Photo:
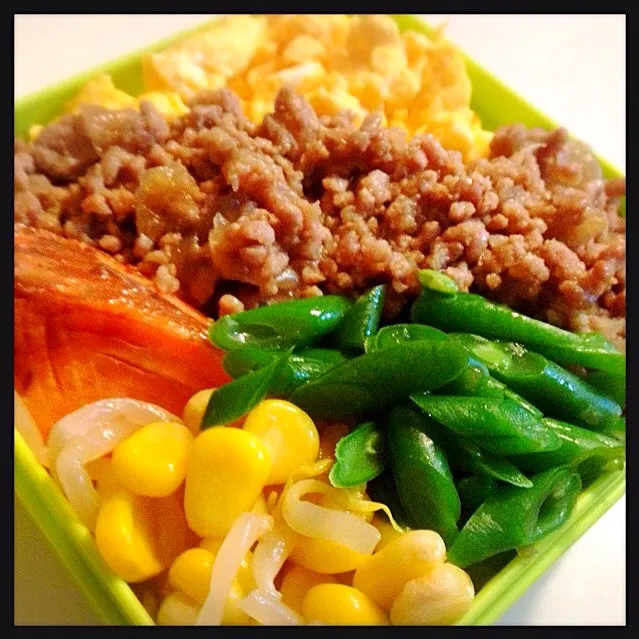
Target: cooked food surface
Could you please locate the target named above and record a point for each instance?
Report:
(88, 328)
(362, 63)
(357, 428)
(229, 214)
(272, 501)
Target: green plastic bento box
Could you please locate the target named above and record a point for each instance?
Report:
(110, 596)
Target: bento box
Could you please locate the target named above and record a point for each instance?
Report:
(111, 597)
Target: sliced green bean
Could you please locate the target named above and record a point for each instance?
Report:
(515, 517)
(422, 475)
(499, 426)
(475, 381)
(361, 320)
(464, 455)
(369, 383)
(233, 400)
(612, 385)
(577, 446)
(360, 456)
(295, 323)
(616, 428)
(437, 281)
(400, 333)
(474, 491)
(298, 369)
(472, 313)
(554, 390)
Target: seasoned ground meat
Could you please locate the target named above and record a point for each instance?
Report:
(230, 214)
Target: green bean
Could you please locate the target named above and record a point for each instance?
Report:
(612, 385)
(437, 281)
(299, 367)
(464, 455)
(499, 426)
(422, 475)
(475, 381)
(361, 320)
(233, 400)
(466, 383)
(494, 388)
(616, 428)
(369, 383)
(360, 456)
(474, 491)
(400, 333)
(515, 517)
(294, 323)
(577, 446)
(472, 313)
(554, 390)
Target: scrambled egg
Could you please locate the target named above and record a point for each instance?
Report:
(362, 63)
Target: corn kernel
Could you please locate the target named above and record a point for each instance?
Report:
(386, 529)
(152, 461)
(190, 573)
(227, 470)
(245, 576)
(212, 544)
(297, 582)
(338, 605)
(440, 597)
(325, 556)
(194, 409)
(234, 616)
(383, 575)
(124, 534)
(177, 609)
(288, 433)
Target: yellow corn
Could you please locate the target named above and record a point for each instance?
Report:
(383, 575)
(177, 609)
(338, 605)
(190, 573)
(297, 582)
(152, 461)
(440, 597)
(124, 534)
(234, 616)
(212, 544)
(289, 434)
(226, 473)
(194, 409)
(245, 573)
(386, 529)
(325, 556)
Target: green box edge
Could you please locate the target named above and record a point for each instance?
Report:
(112, 599)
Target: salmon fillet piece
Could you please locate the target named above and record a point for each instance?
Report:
(87, 328)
